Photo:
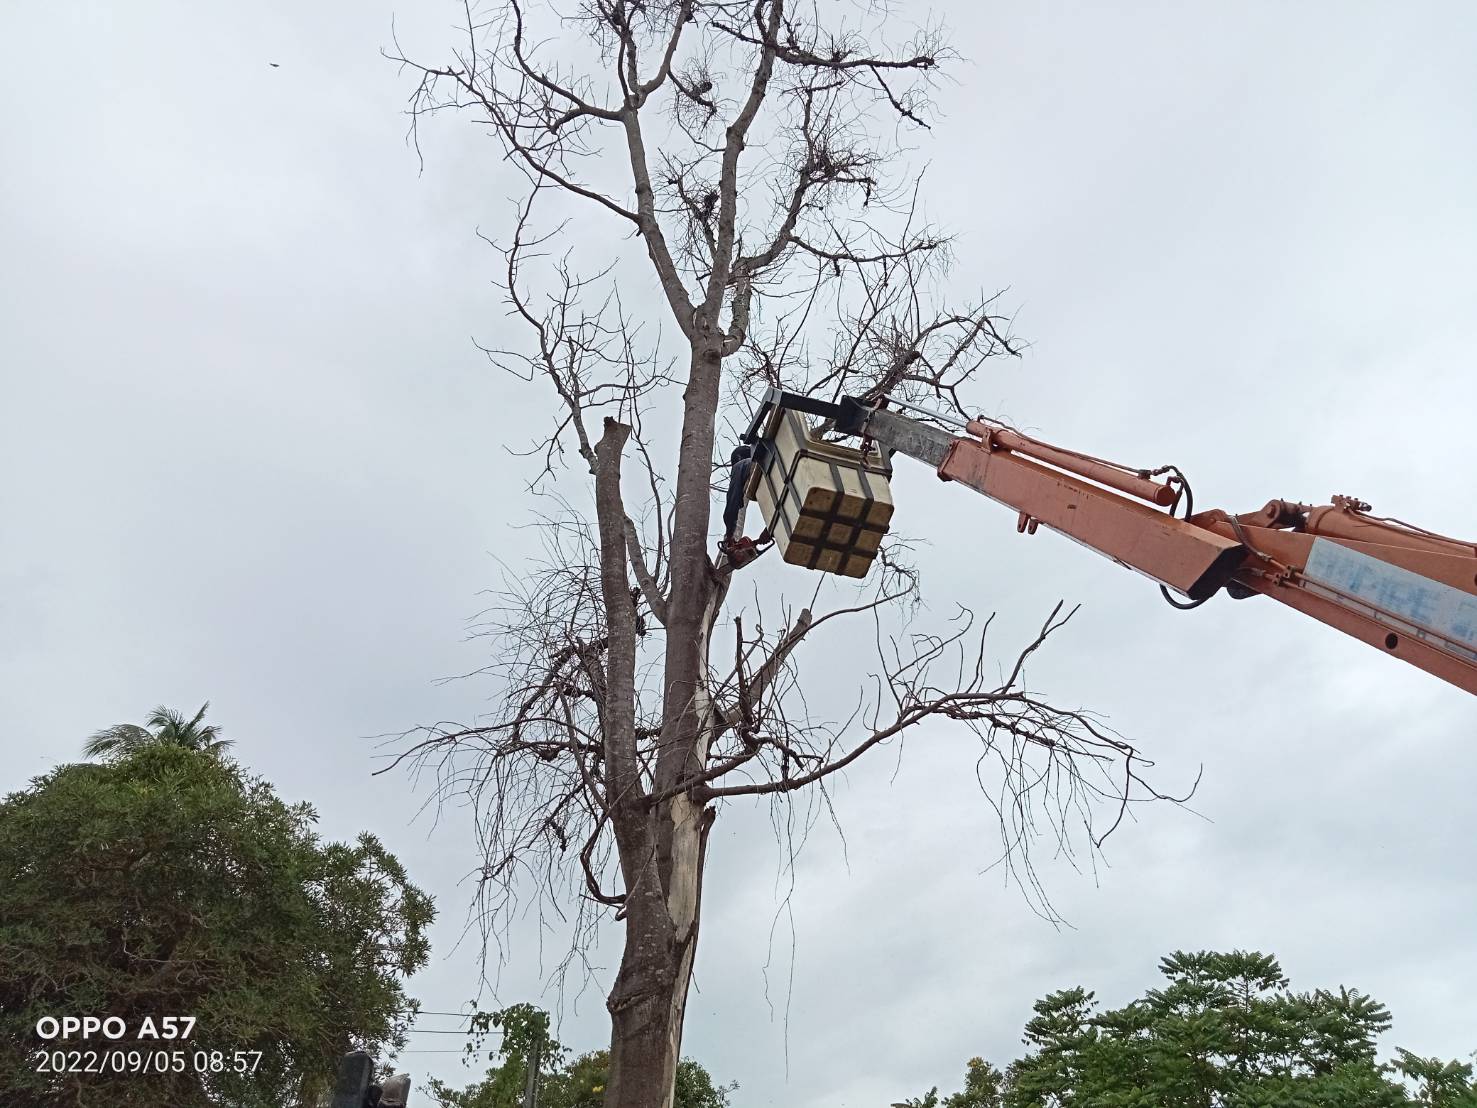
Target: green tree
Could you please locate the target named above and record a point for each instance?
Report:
(579, 1083)
(166, 727)
(523, 1030)
(983, 1087)
(1438, 1084)
(1224, 1030)
(169, 882)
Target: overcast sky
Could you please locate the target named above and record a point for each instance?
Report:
(250, 455)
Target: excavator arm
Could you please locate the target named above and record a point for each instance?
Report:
(1403, 590)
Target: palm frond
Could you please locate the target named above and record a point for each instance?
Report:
(194, 724)
(120, 740)
(169, 727)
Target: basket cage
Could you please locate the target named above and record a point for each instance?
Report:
(825, 504)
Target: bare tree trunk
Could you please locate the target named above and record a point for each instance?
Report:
(645, 1009)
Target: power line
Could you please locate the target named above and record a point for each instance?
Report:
(436, 1031)
(460, 1030)
(491, 1030)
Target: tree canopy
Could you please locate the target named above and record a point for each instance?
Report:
(169, 882)
(1224, 1031)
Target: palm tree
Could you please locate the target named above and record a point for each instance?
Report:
(169, 728)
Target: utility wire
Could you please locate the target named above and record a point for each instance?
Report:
(427, 1012)
(436, 1031)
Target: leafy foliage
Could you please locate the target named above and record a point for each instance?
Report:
(577, 1083)
(1223, 1031)
(1438, 1084)
(169, 882)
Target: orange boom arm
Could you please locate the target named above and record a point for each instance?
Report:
(1409, 592)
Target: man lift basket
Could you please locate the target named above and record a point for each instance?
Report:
(826, 506)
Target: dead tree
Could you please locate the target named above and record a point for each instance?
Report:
(750, 151)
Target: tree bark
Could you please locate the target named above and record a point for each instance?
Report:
(649, 1001)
